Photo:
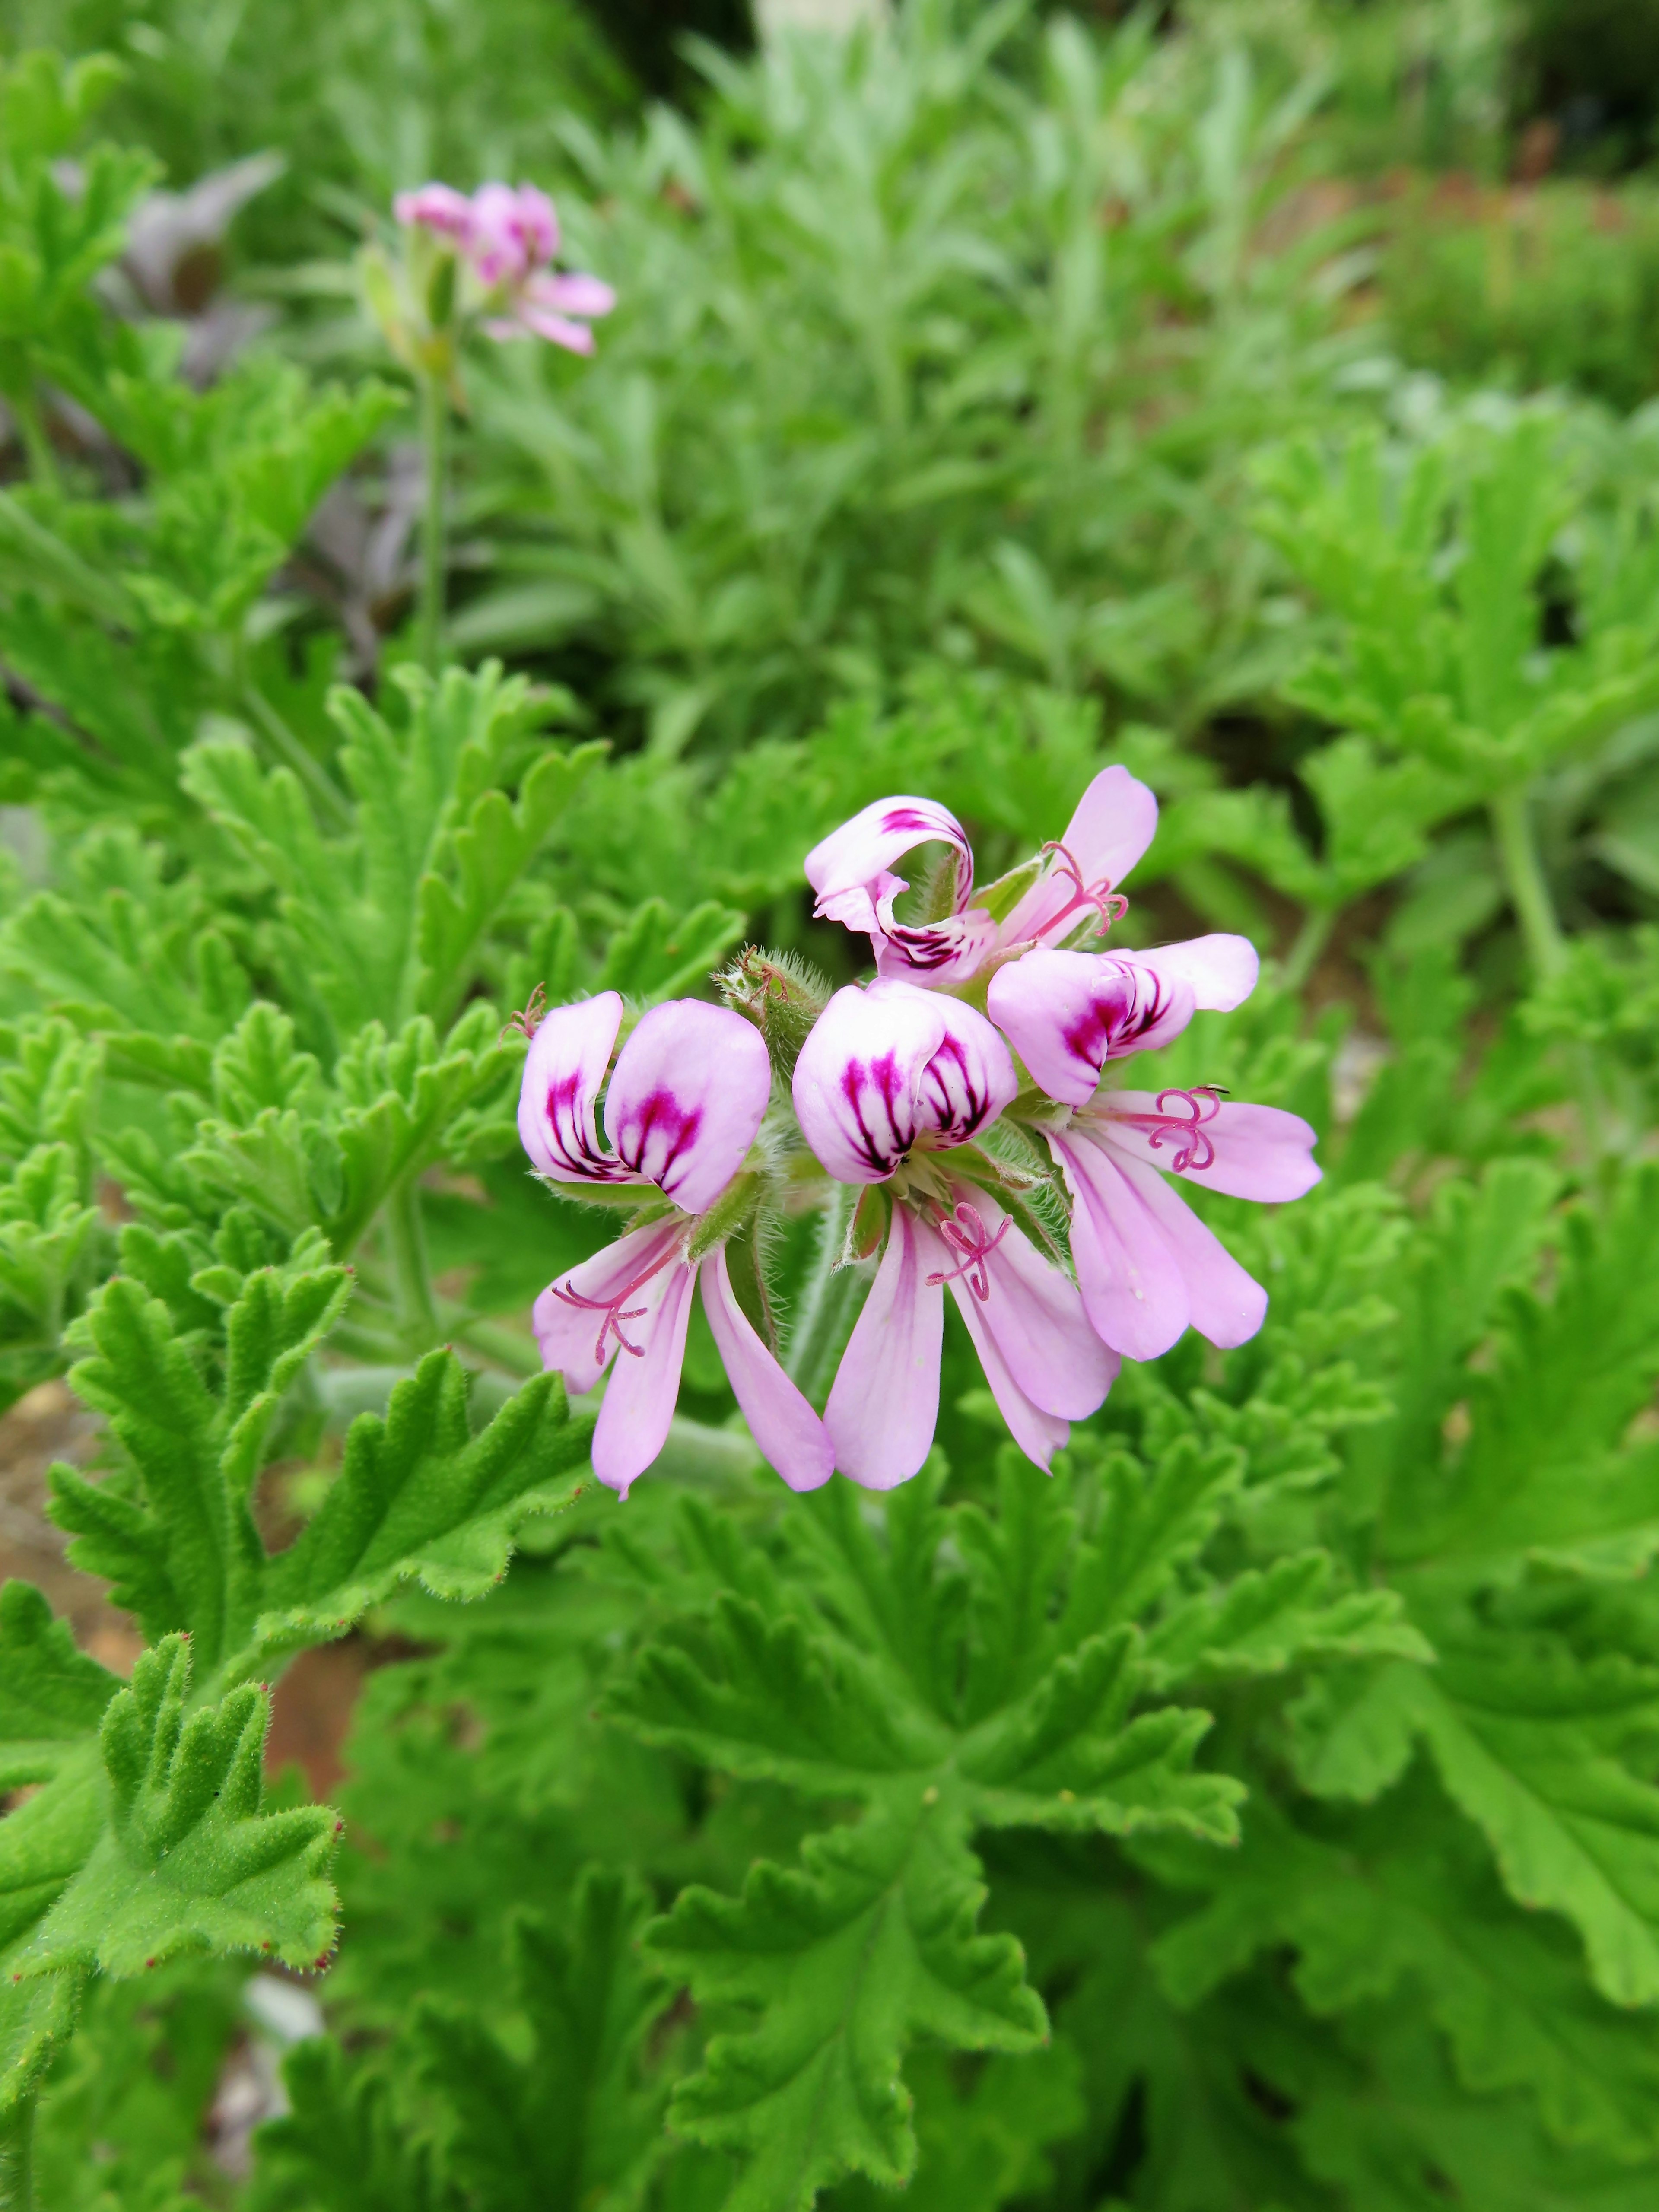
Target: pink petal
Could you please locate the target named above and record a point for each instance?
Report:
(506, 331)
(1134, 1288)
(1039, 1435)
(1032, 1314)
(1225, 1304)
(1065, 1013)
(436, 207)
(888, 1062)
(557, 329)
(563, 1073)
(570, 293)
(1113, 826)
(580, 1320)
(538, 223)
(640, 1396)
(883, 1404)
(860, 854)
(688, 1093)
(1249, 1151)
(787, 1433)
(496, 244)
(1219, 970)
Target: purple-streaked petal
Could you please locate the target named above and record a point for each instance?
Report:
(1134, 1290)
(1066, 1013)
(860, 856)
(563, 1071)
(1113, 826)
(969, 1079)
(435, 207)
(1219, 970)
(858, 1079)
(933, 953)
(688, 1093)
(640, 1396)
(787, 1433)
(582, 1320)
(883, 1404)
(1225, 1303)
(1249, 1151)
(570, 292)
(886, 1063)
(1030, 1311)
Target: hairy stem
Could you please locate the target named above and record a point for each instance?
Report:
(417, 1309)
(434, 445)
(829, 1304)
(1528, 889)
(17, 2159)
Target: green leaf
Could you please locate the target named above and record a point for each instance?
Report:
(939, 1715)
(187, 1555)
(1264, 1622)
(1401, 1899)
(420, 1499)
(51, 1695)
(184, 1861)
(37, 2020)
(652, 957)
(871, 1944)
(571, 2123)
(343, 2146)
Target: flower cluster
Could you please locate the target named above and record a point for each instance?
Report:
(999, 1013)
(480, 261)
(509, 237)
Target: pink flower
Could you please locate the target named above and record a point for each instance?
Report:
(509, 237)
(890, 1078)
(685, 1102)
(1072, 884)
(1147, 1265)
(437, 208)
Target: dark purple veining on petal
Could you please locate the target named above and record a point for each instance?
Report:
(906, 818)
(569, 1137)
(1128, 1003)
(873, 1091)
(655, 1133)
(955, 1091)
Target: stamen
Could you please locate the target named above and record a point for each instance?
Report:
(1109, 906)
(528, 1022)
(614, 1311)
(968, 1235)
(1203, 1103)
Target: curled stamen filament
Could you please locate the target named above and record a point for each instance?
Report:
(528, 1022)
(1203, 1103)
(1109, 906)
(968, 1235)
(614, 1311)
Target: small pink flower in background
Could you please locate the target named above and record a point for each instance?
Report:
(509, 237)
(889, 1082)
(851, 870)
(686, 1098)
(1147, 1265)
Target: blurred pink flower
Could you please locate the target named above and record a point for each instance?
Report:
(509, 235)
(890, 1078)
(685, 1100)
